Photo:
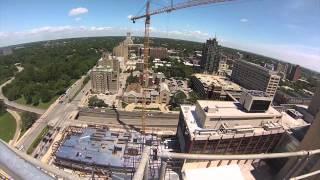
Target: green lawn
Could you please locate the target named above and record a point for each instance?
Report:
(150, 109)
(8, 126)
(36, 142)
(40, 105)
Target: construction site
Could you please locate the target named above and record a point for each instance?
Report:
(102, 152)
(208, 139)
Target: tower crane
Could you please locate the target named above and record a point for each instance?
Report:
(147, 16)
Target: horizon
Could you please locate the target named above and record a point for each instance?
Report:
(281, 60)
(287, 32)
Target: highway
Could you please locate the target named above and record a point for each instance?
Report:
(156, 120)
(14, 105)
(57, 114)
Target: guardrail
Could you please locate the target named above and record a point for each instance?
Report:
(303, 158)
(18, 165)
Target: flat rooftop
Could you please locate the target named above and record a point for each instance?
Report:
(101, 147)
(256, 93)
(233, 109)
(233, 114)
(263, 69)
(226, 84)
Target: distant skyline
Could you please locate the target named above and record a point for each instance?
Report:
(288, 30)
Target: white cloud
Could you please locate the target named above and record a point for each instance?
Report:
(48, 29)
(77, 19)
(93, 28)
(244, 20)
(3, 34)
(78, 11)
(130, 16)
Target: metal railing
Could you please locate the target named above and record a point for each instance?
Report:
(19, 165)
(303, 157)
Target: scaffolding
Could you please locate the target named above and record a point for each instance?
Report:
(126, 147)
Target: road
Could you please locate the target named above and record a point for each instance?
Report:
(55, 116)
(17, 117)
(15, 105)
(155, 120)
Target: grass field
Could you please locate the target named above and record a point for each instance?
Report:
(8, 126)
(36, 142)
(41, 105)
(151, 109)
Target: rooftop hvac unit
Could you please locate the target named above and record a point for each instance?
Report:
(272, 126)
(244, 129)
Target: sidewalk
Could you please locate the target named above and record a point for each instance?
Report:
(17, 117)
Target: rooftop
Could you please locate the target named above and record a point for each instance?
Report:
(263, 69)
(226, 85)
(228, 109)
(102, 147)
(257, 93)
(206, 118)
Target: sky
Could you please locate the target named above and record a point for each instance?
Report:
(288, 30)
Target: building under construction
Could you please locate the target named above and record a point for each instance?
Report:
(104, 152)
(223, 127)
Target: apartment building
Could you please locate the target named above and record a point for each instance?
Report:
(254, 77)
(214, 87)
(223, 127)
(295, 73)
(210, 56)
(134, 94)
(155, 52)
(105, 76)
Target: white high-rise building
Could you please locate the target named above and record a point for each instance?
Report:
(105, 76)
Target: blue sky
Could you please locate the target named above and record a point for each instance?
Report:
(284, 29)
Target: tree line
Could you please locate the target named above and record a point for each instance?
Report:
(51, 67)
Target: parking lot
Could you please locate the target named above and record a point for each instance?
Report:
(178, 85)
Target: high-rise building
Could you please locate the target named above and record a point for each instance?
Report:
(122, 49)
(214, 87)
(105, 76)
(295, 73)
(223, 66)
(155, 52)
(210, 56)
(314, 107)
(282, 70)
(221, 127)
(247, 126)
(254, 77)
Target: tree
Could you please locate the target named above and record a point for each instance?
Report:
(177, 99)
(2, 107)
(94, 101)
(27, 120)
(35, 101)
(132, 79)
(193, 97)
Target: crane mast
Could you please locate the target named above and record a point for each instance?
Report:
(145, 65)
(147, 16)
